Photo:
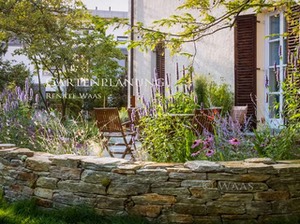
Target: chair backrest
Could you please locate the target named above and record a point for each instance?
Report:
(134, 115)
(238, 113)
(203, 119)
(108, 119)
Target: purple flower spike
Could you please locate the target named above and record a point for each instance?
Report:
(234, 141)
(196, 143)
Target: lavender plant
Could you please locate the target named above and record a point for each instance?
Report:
(23, 124)
(16, 111)
(230, 141)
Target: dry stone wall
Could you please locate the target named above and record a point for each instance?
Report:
(252, 191)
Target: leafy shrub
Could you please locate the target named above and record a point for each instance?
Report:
(167, 138)
(213, 95)
(280, 144)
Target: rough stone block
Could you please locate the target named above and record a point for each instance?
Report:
(27, 178)
(151, 211)
(187, 176)
(43, 193)
(190, 209)
(124, 189)
(205, 184)
(98, 177)
(258, 208)
(62, 198)
(237, 197)
(38, 163)
(43, 202)
(74, 186)
(189, 200)
(180, 218)
(65, 173)
(207, 194)
(47, 182)
(166, 184)
(108, 202)
(154, 199)
(171, 191)
(272, 195)
(102, 164)
(203, 166)
(225, 207)
(207, 220)
(71, 161)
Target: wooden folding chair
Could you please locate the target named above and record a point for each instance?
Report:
(111, 128)
(203, 120)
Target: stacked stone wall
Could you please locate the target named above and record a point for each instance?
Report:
(251, 191)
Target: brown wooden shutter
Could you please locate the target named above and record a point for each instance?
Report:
(160, 65)
(245, 63)
(293, 32)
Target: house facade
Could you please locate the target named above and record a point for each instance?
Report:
(250, 57)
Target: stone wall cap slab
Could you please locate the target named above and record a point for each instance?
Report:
(162, 165)
(105, 163)
(15, 152)
(260, 160)
(203, 166)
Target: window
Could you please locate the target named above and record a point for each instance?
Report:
(276, 63)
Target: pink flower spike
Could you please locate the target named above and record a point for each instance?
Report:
(234, 141)
(196, 143)
(210, 153)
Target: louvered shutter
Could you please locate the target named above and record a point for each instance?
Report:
(293, 32)
(293, 40)
(245, 63)
(160, 66)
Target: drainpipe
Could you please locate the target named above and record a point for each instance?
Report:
(130, 74)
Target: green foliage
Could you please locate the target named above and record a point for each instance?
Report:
(200, 21)
(61, 37)
(213, 95)
(278, 144)
(166, 137)
(27, 212)
(12, 75)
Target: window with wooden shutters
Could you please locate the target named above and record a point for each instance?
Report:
(160, 67)
(245, 63)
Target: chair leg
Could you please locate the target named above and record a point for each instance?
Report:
(106, 146)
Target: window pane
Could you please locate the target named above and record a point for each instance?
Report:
(284, 51)
(274, 53)
(274, 106)
(274, 80)
(274, 27)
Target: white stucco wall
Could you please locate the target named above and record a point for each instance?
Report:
(214, 57)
